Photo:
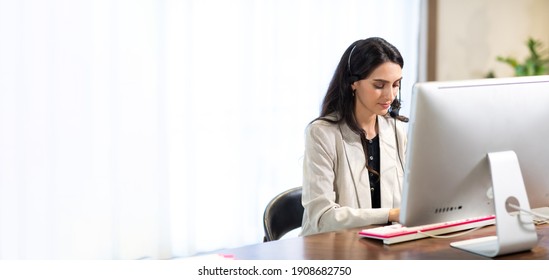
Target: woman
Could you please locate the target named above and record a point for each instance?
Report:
(354, 151)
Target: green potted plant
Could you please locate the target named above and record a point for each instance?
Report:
(535, 64)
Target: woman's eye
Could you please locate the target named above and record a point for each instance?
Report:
(378, 86)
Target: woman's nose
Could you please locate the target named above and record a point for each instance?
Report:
(390, 92)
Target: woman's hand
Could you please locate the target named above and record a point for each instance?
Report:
(394, 215)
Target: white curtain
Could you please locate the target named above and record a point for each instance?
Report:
(159, 129)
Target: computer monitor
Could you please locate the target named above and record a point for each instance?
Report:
(453, 127)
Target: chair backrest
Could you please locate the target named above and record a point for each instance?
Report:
(283, 214)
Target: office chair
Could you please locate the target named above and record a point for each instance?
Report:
(283, 214)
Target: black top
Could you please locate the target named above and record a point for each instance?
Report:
(372, 157)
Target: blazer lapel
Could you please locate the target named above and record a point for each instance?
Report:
(356, 162)
(353, 152)
(388, 160)
(387, 142)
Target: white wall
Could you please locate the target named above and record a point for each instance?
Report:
(472, 33)
(142, 129)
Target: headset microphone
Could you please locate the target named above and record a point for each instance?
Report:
(394, 113)
(395, 108)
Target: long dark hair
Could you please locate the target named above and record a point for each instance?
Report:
(357, 63)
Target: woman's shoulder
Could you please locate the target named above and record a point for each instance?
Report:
(323, 133)
(324, 127)
(324, 123)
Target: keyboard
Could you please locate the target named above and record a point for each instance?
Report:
(397, 233)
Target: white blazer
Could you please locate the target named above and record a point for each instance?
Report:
(336, 187)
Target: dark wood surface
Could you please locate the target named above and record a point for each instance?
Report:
(348, 245)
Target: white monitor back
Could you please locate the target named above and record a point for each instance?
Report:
(453, 125)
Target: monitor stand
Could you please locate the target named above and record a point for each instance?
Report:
(515, 232)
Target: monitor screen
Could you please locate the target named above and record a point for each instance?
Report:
(453, 126)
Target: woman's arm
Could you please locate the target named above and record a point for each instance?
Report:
(323, 188)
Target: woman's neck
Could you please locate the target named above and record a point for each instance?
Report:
(368, 124)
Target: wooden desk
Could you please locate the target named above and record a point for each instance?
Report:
(347, 245)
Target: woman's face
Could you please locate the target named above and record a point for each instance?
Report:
(374, 94)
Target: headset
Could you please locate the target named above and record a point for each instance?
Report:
(353, 78)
